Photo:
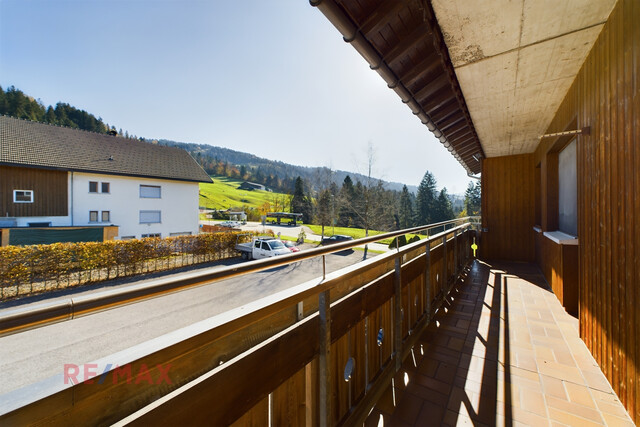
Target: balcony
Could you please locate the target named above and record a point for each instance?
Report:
(422, 334)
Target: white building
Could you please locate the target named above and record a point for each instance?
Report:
(52, 176)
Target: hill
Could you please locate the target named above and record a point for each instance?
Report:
(285, 172)
(223, 194)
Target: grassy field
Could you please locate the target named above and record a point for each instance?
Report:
(223, 193)
(356, 233)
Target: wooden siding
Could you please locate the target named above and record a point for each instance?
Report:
(508, 208)
(559, 264)
(49, 192)
(604, 96)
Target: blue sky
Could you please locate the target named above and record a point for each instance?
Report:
(272, 78)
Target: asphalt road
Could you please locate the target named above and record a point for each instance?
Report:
(35, 355)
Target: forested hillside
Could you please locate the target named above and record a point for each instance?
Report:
(272, 173)
(15, 103)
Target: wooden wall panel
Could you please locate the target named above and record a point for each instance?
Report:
(49, 187)
(605, 97)
(559, 264)
(508, 208)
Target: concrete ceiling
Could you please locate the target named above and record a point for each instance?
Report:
(515, 61)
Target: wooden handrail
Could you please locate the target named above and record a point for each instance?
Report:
(16, 320)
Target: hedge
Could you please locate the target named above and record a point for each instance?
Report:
(38, 268)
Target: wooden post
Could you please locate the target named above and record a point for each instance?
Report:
(324, 360)
(397, 327)
(445, 279)
(455, 255)
(427, 281)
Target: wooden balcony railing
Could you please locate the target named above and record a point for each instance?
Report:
(319, 353)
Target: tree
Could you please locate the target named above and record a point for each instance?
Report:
(346, 201)
(443, 211)
(323, 209)
(425, 199)
(473, 199)
(405, 215)
(300, 202)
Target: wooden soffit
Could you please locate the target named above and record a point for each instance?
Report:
(485, 78)
(402, 41)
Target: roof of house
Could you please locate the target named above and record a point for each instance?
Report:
(32, 144)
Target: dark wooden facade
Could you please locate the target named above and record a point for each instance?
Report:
(49, 187)
(508, 213)
(605, 280)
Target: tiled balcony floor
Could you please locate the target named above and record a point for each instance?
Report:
(501, 351)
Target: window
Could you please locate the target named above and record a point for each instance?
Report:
(149, 217)
(106, 216)
(568, 189)
(93, 216)
(151, 235)
(181, 233)
(149, 191)
(105, 187)
(93, 187)
(22, 196)
(127, 237)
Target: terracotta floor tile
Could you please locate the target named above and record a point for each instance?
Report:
(574, 408)
(579, 394)
(533, 402)
(553, 387)
(430, 415)
(614, 421)
(408, 408)
(501, 353)
(571, 419)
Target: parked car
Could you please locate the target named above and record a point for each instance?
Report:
(229, 224)
(336, 238)
(292, 246)
(262, 247)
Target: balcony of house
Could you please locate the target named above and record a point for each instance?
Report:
(426, 334)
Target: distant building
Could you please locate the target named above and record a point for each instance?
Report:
(53, 176)
(252, 186)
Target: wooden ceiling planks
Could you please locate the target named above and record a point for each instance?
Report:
(409, 44)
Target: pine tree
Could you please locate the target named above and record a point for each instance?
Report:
(300, 202)
(473, 199)
(406, 209)
(425, 199)
(443, 211)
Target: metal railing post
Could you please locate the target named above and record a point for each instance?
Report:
(324, 360)
(397, 327)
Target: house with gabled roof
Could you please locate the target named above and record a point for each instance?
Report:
(52, 176)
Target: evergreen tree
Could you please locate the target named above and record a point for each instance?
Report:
(50, 116)
(405, 217)
(323, 209)
(4, 106)
(473, 199)
(346, 201)
(443, 211)
(300, 202)
(425, 199)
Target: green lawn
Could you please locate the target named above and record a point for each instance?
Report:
(223, 193)
(356, 233)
